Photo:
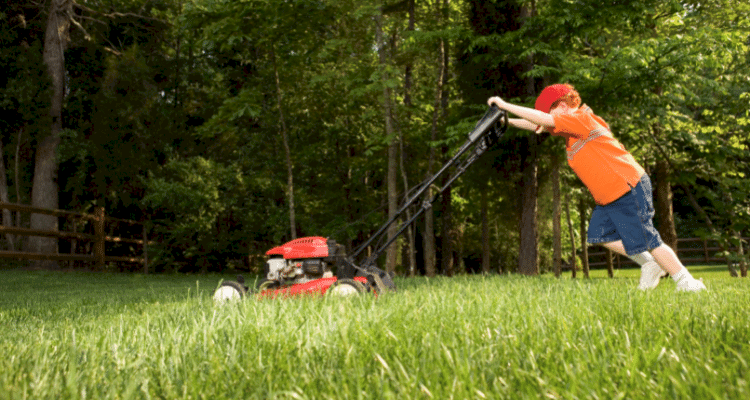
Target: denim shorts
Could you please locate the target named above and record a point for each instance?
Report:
(629, 218)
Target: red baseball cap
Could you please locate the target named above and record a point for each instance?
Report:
(549, 95)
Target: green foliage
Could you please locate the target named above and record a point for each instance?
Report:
(181, 95)
(199, 204)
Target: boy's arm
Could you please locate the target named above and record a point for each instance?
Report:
(535, 117)
(523, 124)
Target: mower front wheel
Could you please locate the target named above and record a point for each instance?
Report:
(229, 291)
(345, 287)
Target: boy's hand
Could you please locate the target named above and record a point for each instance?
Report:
(497, 101)
(540, 120)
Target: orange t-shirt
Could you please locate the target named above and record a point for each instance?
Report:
(599, 160)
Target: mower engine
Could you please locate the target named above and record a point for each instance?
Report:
(302, 260)
(296, 271)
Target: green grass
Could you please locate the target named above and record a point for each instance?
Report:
(102, 336)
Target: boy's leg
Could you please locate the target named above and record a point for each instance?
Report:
(651, 272)
(630, 218)
(617, 247)
(668, 260)
(603, 230)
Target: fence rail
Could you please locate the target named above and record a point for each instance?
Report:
(98, 240)
(707, 249)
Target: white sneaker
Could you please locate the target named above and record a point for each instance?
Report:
(690, 285)
(651, 272)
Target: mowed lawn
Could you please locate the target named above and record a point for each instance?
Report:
(121, 336)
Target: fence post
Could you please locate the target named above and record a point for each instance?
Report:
(73, 243)
(100, 235)
(705, 250)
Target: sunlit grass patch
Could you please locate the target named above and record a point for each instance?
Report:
(132, 336)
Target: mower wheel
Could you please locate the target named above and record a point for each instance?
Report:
(346, 287)
(229, 291)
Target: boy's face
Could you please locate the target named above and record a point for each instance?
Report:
(561, 108)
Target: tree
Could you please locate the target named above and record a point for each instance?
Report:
(392, 183)
(24, 101)
(44, 191)
(287, 151)
(556, 218)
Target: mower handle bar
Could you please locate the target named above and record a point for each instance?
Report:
(483, 136)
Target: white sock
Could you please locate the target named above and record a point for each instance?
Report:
(642, 258)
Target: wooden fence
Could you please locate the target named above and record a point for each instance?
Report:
(689, 250)
(93, 245)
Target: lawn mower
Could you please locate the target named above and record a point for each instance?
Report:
(306, 266)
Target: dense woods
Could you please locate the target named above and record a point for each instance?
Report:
(232, 126)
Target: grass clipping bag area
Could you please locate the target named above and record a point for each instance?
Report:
(106, 336)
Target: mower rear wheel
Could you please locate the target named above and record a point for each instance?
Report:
(346, 287)
(229, 291)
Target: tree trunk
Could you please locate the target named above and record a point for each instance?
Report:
(44, 191)
(7, 216)
(610, 266)
(429, 240)
(528, 257)
(485, 231)
(439, 112)
(556, 223)
(741, 252)
(664, 211)
(528, 260)
(391, 255)
(736, 236)
(458, 254)
(663, 206)
(16, 172)
(392, 251)
(44, 194)
(448, 231)
(409, 66)
(407, 103)
(412, 259)
(571, 230)
(584, 244)
(287, 152)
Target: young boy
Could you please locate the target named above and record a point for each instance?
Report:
(623, 218)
